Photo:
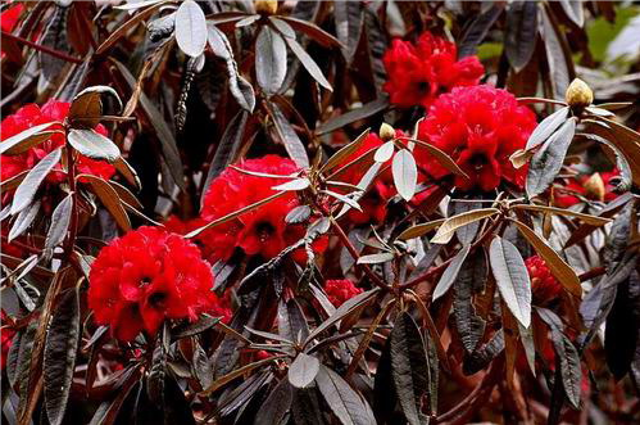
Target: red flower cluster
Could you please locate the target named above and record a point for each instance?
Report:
(418, 73)
(148, 275)
(31, 115)
(479, 127)
(7, 334)
(544, 286)
(262, 231)
(597, 187)
(340, 290)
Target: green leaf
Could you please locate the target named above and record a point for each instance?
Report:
(86, 107)
(63, 336)
(191, 28)
(292, 143)
(275, 407)
(271, 60)
(382, 257)
(291, 321)
(240, 88)
(384, 152)
(25, 140)
(25, 193)
(469, 324)
(521, 32)
(93, 145)
(24, 220)
(349, 17)
(405, 174)
(451, 273)
(303, 370)
(547, 162)
(512, 279)
(309, 64)
(409, 367)
(110, 199)
(59, 223)
(347, 405)
(547, 127)
(227, 148)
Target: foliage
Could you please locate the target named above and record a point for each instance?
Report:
(320, 212)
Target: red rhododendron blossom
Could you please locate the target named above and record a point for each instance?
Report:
(145, 277)
(340, 290)
(544, 286)
(597, 187)
(7, 334)
(263, 230)
(32, 115)
(479, 127)
(418, 73)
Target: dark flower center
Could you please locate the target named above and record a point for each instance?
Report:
(422, 87)
(265, 230)
(157, 299)
(145, 281)
(478, 161)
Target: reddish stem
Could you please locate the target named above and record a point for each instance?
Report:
(44, 49)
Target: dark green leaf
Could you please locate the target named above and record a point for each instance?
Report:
(227, 148)
(59, 223)
(271, 60)
(477, 31)
(365, 111)
(191, 28)
(512, 279)
(343, 401)
(547, 127)
(316, 33)
(93, 145)
(24, 195)
(86, 107)
(204, 323)
(547, 162)
(409, 367)
(63, 336)
(305, 407)
(292, 143)
(303, 370)
(451, 273)
(276, 406)
(405, 174)
(24, 220)
(470, 326)
(349, 18)
(309, 64)
(25, 140)
(521, 33)
(291, 321)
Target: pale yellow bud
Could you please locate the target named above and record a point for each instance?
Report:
(595, 187)
(579, 94)
(266, 7)
(387, 132)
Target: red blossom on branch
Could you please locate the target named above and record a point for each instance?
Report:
(32, 115)
(419, 72)
(340, 290)
(479, 127)
(145, 277)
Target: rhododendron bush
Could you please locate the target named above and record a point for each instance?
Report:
(297, 212)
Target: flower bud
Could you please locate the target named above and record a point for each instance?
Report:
(266, 7)
(595, 187)
(579, 94)
(387, 132)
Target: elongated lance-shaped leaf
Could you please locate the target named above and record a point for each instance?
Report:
(26, 192)
(512, 279)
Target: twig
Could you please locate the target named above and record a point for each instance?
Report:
(44, 49)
